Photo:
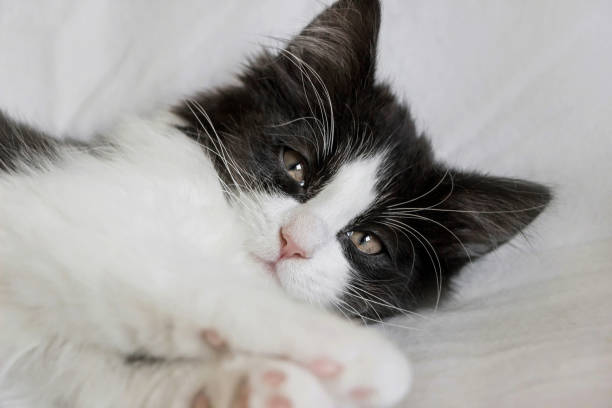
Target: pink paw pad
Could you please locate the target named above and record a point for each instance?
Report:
(278, 401)
(274, 378)
(361, 393)
(200, 401)
(325, 368)
(213, 339)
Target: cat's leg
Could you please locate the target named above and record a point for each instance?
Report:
(352, 362)
(61, 375)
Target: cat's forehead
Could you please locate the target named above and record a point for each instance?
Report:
(350, 192)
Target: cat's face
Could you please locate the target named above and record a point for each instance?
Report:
(345, 203)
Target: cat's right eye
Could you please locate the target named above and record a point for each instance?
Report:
(296, 166)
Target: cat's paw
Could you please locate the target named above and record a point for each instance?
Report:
(279, 384)
(355, 365)
(263, 383)
(360, 369)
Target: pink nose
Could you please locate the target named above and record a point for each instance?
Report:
(289, 248)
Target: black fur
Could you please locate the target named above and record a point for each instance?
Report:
(22, 146)
(449, 218)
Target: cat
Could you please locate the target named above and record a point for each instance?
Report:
(196, 258)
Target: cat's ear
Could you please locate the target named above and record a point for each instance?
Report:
(479, 213)
(339, 45)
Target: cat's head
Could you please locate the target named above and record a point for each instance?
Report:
(345, 202)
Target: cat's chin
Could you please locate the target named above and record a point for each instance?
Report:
(276, 272)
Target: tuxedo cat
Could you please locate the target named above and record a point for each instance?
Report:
(195, 258)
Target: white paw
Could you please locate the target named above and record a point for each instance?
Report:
(263, 383)
(279, 384)
(355, 365)
(362, 369)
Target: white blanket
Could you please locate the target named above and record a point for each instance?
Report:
(519, 88)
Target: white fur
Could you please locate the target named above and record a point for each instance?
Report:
(135, 249)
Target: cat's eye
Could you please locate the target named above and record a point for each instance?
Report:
(296, 166)
(366, 242)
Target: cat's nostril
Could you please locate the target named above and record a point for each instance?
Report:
(289, 248)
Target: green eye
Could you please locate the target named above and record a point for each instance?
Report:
(366, 242)
(295, 165)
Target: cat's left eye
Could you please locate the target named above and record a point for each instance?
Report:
(296, 166)
(366, 242)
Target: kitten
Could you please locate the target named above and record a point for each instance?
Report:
(166, 263)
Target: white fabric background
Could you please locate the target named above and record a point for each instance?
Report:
(518, 88)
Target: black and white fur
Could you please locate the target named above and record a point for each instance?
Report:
(163, 231)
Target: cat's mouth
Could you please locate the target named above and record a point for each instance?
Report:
(269, 266)
(272, 268)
